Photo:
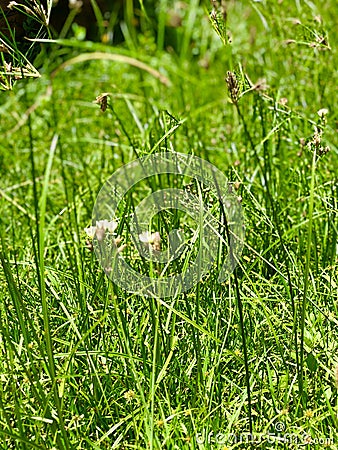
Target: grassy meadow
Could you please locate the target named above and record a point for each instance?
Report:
(248, 363)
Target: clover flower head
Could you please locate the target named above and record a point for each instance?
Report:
(151, 240)
(100, 229)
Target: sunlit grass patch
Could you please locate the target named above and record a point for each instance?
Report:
(86, 364)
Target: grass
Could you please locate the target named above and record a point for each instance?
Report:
(87, 365)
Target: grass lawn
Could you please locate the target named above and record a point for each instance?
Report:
(250, 362)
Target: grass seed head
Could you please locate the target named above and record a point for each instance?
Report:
(233, 86)
(102, 100)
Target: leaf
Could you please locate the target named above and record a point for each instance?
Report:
(311, 362)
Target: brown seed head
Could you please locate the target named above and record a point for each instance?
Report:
(102, 100)
(232, 85)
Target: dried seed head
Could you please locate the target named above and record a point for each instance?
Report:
(323, 150)
(102, 100)
(3, 48)
(232, 85)
(8, 67)
(89, 245)
(213, 15)
(321, 40)
(224, 11)
(221, 7)
(315, 144)
(317, 138)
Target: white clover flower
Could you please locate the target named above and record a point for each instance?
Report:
(90, 231)
(107, 225)
(100, 229)
(152, 240)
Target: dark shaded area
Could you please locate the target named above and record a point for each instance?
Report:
(86, 16)
(16, 25)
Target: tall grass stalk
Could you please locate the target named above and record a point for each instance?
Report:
(306, 275)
